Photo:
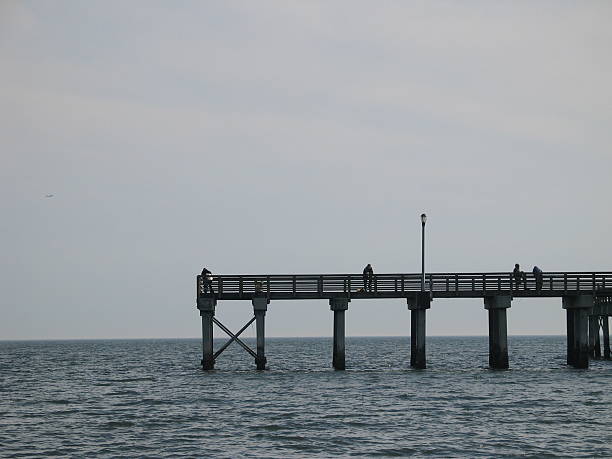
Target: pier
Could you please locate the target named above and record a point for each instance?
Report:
(586, 297)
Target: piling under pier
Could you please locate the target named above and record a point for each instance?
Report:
(260, 306)
(498, 330)
(605, 330)
(207, 312)
(594, 341)
(418, 304)
(339, 306)
(577, 308)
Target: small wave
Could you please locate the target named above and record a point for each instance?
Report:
(64, 412)
(282, 438)
(50, 402)
(143, 402)
(398, 452)
(58, 402)
(356, 423)
(161, 422)
(124, 380)
(118, 424)
(269, 428)
(124, 392)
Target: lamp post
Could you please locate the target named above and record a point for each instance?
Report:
(423, 220)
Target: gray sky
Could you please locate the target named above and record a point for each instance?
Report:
(294, 137)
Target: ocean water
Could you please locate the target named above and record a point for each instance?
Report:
(149, 398)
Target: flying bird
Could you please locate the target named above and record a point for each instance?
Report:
(49, 195)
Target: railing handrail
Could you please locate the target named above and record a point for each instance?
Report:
(466, 274)
(235, 286)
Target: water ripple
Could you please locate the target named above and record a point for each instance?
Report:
(149, 398)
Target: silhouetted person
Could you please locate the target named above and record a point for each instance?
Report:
(368, 274)
(519, 276)
(207, 280)
(539, 278)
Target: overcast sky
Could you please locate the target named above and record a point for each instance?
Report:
(294, 137)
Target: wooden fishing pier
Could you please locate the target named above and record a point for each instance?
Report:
(586, 297)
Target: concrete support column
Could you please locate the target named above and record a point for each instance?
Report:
(207, 311)
(418, 304)
(260, 306)
(605, 330)
(597, 340)
(578, 308)
(339, 306)
(594, 342)
(570, 337)
(498, 330)
(592, 320)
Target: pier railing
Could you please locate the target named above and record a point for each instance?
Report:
(442, 285)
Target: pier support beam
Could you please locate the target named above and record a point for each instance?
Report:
(594, 342)
(339, 306)
(498, 330)
(207, 311)
(578, 308)
(260, 306)
(605, 330)
(418, 304)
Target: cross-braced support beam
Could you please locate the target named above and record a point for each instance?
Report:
(207, 311)
(234, 338)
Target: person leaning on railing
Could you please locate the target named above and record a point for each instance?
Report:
(368, 274)
(207, 280)
(539, 278)
(519, 276)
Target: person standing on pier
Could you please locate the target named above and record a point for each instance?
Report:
(519, 276)
(207, 280)
(368, 274)
(539, 278)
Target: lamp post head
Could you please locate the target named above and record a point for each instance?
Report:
(423, 219)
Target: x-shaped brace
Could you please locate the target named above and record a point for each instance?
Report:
(234, 338)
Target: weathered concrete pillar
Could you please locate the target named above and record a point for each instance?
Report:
(418, 304)
(571, 351)
(207, 311)
(578, 308)
(605, 330)
(339, 306)
(597, 340)
(498, 330)
(594, 342)
(260, 306)
(592, 320)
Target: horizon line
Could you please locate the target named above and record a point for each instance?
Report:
(267, 337)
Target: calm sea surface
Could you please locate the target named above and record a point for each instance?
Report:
(138, 398)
